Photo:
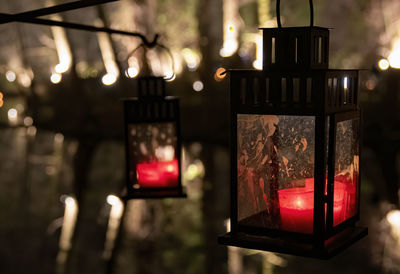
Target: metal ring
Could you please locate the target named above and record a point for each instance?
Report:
(278, 13)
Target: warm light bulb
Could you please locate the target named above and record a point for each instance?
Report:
(393, 217)
(298, 203)
(132, 72)
(229, 48)
(12, 113)
(61, 68)
(198, 86)
(10, 76)
(55, 78)
(383, 64)
(109, 79)
(113, 200)
(169, 76)
(69, 201)
(257, 64)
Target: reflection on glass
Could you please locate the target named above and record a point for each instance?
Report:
(153, 160)
(346, 169)
(275, 156)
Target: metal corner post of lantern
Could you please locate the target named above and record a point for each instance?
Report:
(295, 148)
(153, 143)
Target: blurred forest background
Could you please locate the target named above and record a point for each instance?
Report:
(61, 135)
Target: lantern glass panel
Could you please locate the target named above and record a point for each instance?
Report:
(153, 152)
(346, 171)
(275, 161)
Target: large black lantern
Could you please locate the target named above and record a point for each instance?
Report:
(295, 148)
(153, 145)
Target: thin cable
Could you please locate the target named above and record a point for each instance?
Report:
(68, 25)
(278, 13)
(172, 60)
(55, 9)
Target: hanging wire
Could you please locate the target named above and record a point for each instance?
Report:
(172, 60)
(278, 13)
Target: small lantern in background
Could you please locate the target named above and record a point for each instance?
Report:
(152, 135)
(295, 184)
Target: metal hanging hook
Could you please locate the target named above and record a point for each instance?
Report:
(278, 13)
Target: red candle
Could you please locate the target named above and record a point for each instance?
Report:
(158, 174)
(297, 206)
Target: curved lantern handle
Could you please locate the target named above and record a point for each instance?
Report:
(155, 44)
(278, 13)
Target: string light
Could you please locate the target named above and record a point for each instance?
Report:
(198, 86)
(109, 79)
(12, 116)
(10, 76)
(55, 78)
(132, 72)
(383, 64)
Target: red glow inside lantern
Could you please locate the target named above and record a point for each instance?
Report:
(158, 174)
(297, 206)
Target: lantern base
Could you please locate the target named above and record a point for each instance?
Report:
(331, 247)
(155, 194)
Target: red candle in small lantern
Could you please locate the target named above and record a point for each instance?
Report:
(158, 174)
(297, 206)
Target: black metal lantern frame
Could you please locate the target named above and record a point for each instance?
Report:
(151, 121)
(295, 95)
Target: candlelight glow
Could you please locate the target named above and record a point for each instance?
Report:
(383, 64)
(166, 153)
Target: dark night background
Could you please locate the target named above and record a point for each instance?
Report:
(61, 135)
